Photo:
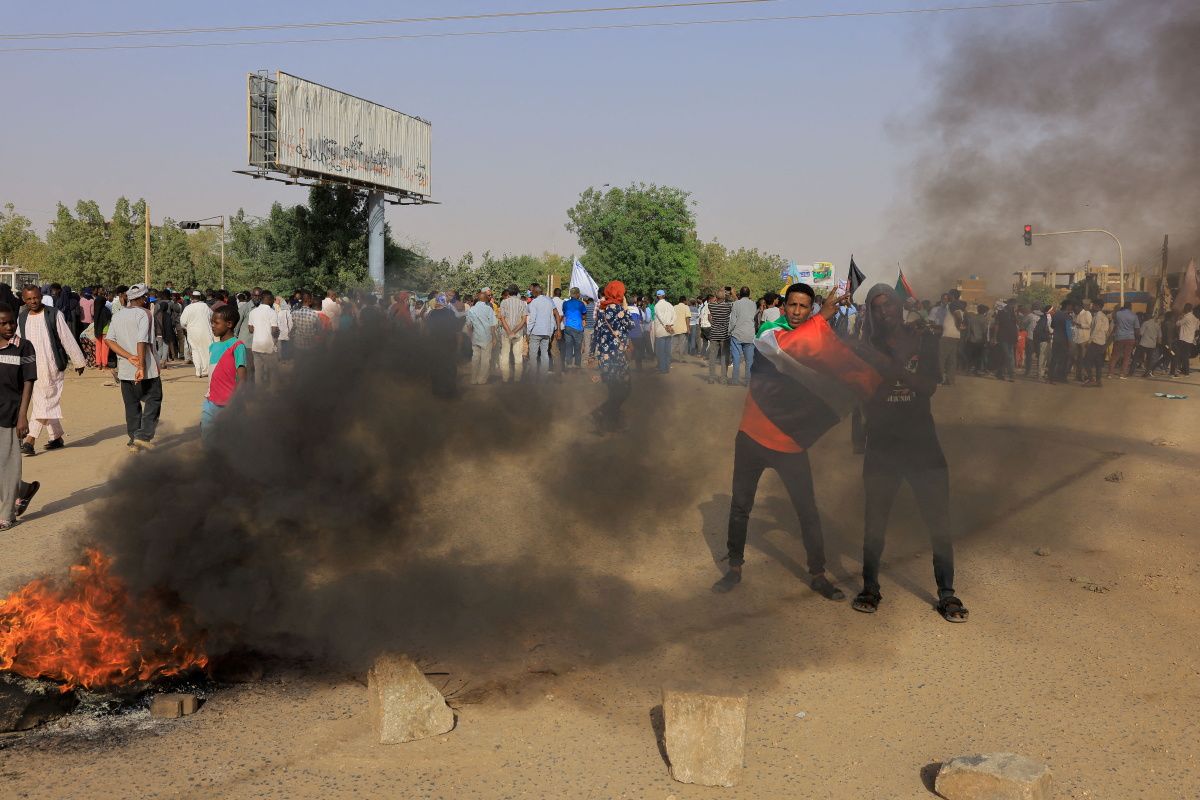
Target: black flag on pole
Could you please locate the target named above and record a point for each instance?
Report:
(855, 278)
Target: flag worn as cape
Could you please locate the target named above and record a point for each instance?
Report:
(803, 382)
(582, 280)
(903, 287)
(855, 278)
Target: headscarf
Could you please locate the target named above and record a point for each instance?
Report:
(400, 309)
(878, 289)
(614, 293)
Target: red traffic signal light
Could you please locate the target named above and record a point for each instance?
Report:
(1028, 235)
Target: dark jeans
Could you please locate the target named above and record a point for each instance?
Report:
(143, 403)
(718, 353)
(572, 349)
(749, 460)
(1183, 357)
(1007, 360)
(931, 489)
(1060, 360)
(1095, 361)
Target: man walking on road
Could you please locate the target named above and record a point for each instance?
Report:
(573, 313)
(131, 337)
(718, 337)
(741, 334)
(46, 329)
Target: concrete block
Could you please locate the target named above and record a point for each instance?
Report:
(705, 736)
(403, 705)
(994, 776)
(166, 706)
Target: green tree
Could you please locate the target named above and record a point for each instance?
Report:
(643, 235)
(1086, 289)
(1038, 295)
(16, 234)
(720, 267)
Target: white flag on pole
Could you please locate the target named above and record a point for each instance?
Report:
(582, 280)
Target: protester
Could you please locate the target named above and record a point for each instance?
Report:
(227, 355)
(610, 344)
(950, 344)
(767, 439)
(481, 326)
(1097, 342)
(543, 327)
(663, 329)
(512, 318)
(1006, 338)
(1062, 342)
(1185, 343)
(196, 320)
(902, 446)
(46, 329)
(574, 312)
(977, 339)
(683, 321)
(283, 314)
(1149, 338)
(307, 329)
(263, 332)
(719, 310)
(741, 335)
(18, 373)
(131, 337)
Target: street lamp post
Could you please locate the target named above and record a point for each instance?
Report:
(191, 225)
(1109, 234)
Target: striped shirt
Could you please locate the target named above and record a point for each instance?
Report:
(718, 315)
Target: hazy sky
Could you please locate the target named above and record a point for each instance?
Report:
(785, 132)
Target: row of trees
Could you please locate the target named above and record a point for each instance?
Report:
(644, 235)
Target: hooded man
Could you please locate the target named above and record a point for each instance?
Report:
(902, 446)
(803, 380)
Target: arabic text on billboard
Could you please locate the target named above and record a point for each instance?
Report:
(330, 133)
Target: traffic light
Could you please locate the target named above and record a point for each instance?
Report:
(194, 226)
(1028, 235)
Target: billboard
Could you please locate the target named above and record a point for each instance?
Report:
(326, 133)
(818, 275)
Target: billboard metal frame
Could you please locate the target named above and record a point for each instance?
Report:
(262, 147)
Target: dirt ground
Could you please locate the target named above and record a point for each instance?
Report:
(1085, 657)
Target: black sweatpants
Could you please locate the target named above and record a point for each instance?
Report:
(143, 403)
(749, 460)
(882, 477)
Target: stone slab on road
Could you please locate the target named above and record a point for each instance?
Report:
(994, 776)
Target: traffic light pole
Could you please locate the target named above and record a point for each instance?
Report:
(1109, 234)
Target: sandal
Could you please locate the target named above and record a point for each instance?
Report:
(952, 609)
(824, 587)
(23, 502)
(727, 583)
(867, 602)
(6, 526)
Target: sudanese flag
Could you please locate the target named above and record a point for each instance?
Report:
(804, 381)
(903, 287)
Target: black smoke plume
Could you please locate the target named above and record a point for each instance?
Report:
(1083, 117)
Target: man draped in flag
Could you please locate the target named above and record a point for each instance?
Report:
(804, 380)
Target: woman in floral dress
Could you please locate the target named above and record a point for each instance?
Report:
(610, 345)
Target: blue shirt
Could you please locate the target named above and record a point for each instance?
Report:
(1127, 325)
(573, 313)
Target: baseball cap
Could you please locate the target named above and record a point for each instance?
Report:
(661, 293)
(136, 291)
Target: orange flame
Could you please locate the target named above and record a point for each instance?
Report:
(88, 632)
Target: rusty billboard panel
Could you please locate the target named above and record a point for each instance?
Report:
(322, 132)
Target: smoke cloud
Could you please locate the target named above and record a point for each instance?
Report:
(1082, 118)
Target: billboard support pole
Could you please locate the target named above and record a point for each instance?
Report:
(375, 223)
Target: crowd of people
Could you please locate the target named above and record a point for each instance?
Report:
(889, 355)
